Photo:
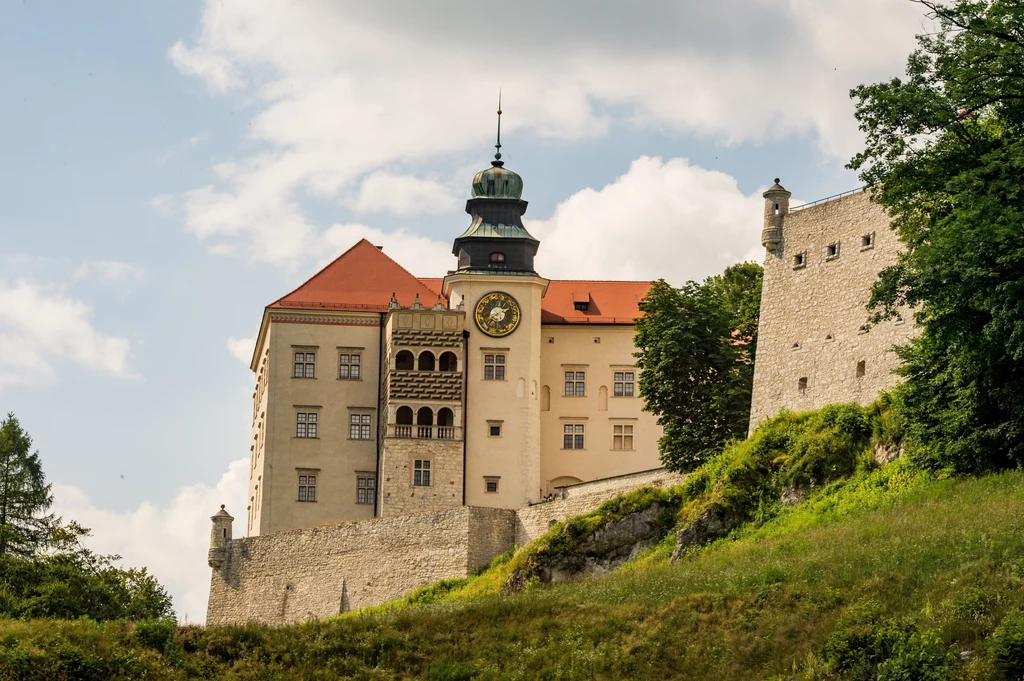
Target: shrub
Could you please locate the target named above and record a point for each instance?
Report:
(156, 634)
(865, 646)
(1007, 645)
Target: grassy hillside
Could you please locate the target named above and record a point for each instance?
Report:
(890, 574)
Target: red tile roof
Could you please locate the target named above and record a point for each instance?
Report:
(435, 284)
(359, 280)
(362, 279)
(608, 302)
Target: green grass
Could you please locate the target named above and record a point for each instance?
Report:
(889, 560)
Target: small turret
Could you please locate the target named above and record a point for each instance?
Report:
(776, 205)
(220, 537)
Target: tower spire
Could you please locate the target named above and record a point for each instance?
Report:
(497, 162)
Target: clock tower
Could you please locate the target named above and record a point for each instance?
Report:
(496, 284)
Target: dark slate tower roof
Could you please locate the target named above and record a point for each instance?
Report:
(496, 240)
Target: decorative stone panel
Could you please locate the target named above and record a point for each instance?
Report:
(424, 338)
(425, 385)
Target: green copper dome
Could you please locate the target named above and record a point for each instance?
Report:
(497, 183)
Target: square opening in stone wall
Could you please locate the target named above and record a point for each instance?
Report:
(861, 368)
(801, 385)
(832, 251)
(867, 241)
(800, 260)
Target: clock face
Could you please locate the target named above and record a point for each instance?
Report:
(497, 314)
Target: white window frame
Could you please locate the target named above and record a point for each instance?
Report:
(306, 424)
(349, 366)
(304, 364)
(495, 364)
(360, 426)
(307, 487)
(624, 383)
(421, 473)
(575, 383)
(366, 489)
(574, 435)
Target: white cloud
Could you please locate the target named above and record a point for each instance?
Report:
(216, 71)
(39, 325)
(242, 348)
(403, 195)
(667, 220)
(349, 90)
(171, 541)
(111, 271)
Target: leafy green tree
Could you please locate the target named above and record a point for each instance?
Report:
(696, 347)
(25, 497)
(945, 154)
(44, 569)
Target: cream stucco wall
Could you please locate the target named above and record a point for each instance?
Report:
(513, 458)
(332, 456)
(599, 351)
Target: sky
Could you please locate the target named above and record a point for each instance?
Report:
(169, 169)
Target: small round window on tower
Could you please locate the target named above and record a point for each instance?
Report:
(498, 257)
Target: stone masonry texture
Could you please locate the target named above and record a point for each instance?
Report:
(314, 573)
(813, 348)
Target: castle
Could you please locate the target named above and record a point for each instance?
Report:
(379, 403)
(382, 394)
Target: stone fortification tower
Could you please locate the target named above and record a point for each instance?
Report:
(220, 538)
(814, 344)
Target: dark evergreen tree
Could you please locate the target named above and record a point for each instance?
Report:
(696, 347)
(25, 497)
(945, 155)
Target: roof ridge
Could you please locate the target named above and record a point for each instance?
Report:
(323, 269)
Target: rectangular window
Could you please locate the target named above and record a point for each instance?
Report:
(359, 427)
(624, 384)
(575, 383)
(494, 367)
(348, 366)
(307, 488)
(572, 436)
(622, 436)
(491, 485)
(494, 430)
(366, 489)
(832, 251)
(304, 364)
(305, 424)
(421, 473)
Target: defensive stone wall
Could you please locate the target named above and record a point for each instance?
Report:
(534, 521)
(323, 571)
(814, 346)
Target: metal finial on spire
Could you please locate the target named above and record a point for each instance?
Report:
(497, 154)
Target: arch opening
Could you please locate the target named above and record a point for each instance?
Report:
(426, 361)
(404, 360)
(448, 362)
